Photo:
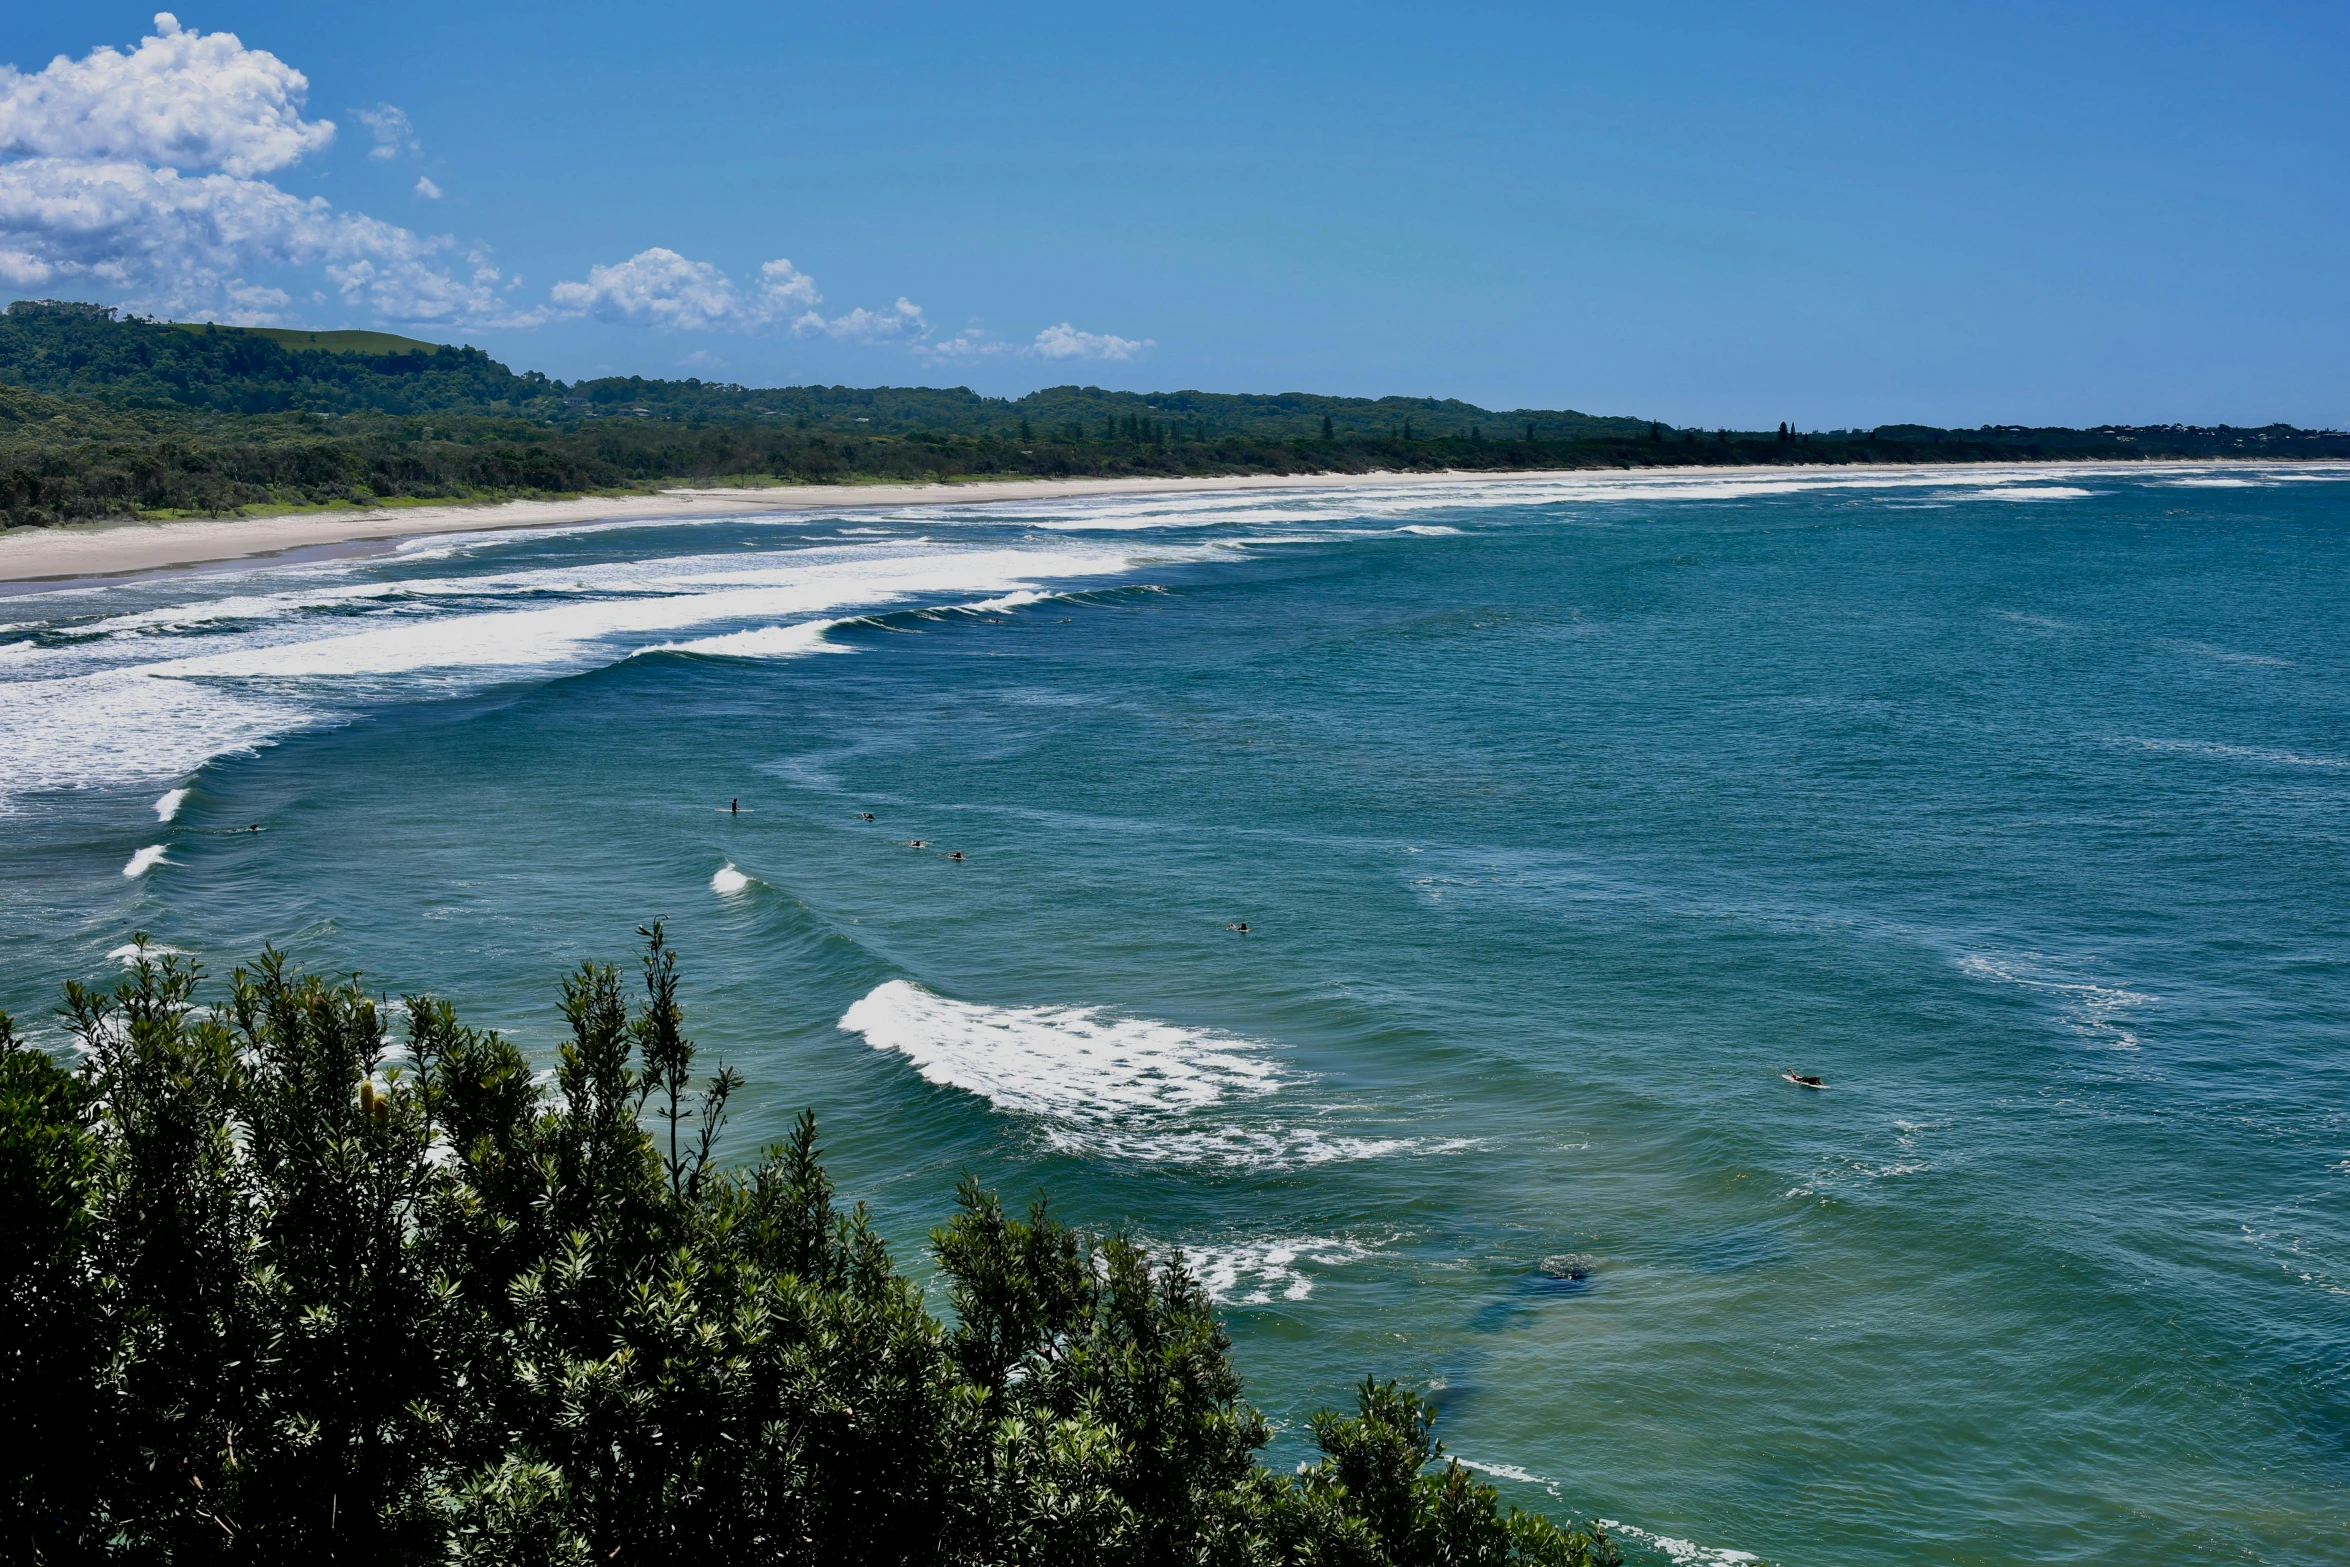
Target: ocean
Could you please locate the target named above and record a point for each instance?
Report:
(1564, 814)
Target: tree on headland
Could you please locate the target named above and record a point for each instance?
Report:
(281, 1285)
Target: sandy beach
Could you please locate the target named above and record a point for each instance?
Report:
(114, 548)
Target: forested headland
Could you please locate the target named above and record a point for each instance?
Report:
(102, 416)
(282, 1283)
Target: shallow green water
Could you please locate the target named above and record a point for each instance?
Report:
(1564, 815)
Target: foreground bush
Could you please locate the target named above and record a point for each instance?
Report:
(273, 1289)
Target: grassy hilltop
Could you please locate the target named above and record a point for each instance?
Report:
(102, 416)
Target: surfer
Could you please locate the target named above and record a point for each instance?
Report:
(868, 815)
(916, 843)
(1801, 1081)
(1241, 926)
(735, 809)
(954, 854)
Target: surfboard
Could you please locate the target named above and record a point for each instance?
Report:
(1799, 1082)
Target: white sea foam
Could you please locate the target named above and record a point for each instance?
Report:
(766, 642)
(169, 806)
(128, 953)
(2230, 656)
(1255, 1273)
(564, 633)
(729, 881)
(1008, 601)
(1073, 1064)
(2245, 753)
(237, 670)
(1104, 1085)
(1508, 1472)
(2038, 492)
(145, 860)
(2095, 1010)
(1683, 1553)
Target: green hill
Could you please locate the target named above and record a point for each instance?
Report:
(332, 342)
(86, 351)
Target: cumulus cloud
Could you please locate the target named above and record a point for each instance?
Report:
(393, 132)
(659, 287)
(901, 320)
(138, 178)
(181, 99)
(1066, 342)
(134, 176)
(1054, 342)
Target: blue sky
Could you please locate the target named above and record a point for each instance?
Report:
(1832, 214)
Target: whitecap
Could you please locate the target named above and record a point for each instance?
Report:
(128, 953)
(2037, 492)
(2093, 1009)
(1075, 1064)
(1682, 1553)
(766, 642)
(2230, 656)
(2244, 753)
(1103, 1085)
(299, 659)
(729, 881)
(1256, 1272)
(145, 860)
(169, 806)
(1509, 1472)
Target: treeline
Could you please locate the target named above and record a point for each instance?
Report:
(277, 1289)
(101, 417)
(73, 349)
(66, 460)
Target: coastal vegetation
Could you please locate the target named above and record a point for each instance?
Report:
(108, 417)
(301, 1276)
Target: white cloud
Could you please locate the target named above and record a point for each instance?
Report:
(1066, 342)
(136, 178)
(781, 284)
(133, 179)
(392, 130)
(901, 320)
(656, 287)
(181, 99)
(1054, 342)
(659, 287)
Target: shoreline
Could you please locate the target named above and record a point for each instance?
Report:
(108, 549)
(123, 548)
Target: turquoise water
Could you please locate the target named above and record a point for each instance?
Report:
(1564, 814)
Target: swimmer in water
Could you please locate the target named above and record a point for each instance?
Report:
(954, 854)
(1242, 927)
(868, 816)
(916, 843)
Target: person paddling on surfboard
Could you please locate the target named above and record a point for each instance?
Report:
(1802, 1081)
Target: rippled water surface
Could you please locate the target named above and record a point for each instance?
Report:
(1564, 815)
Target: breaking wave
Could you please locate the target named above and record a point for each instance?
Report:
(1100, 1084)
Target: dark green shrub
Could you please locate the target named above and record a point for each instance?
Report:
(278, 1289)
